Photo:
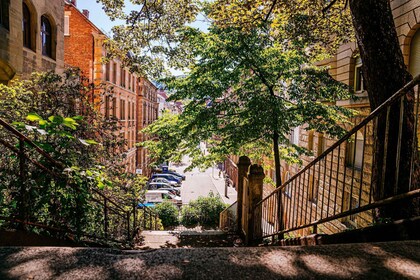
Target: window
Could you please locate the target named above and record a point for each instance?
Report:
(122, 109)
(294, 136)
(26, 26)
(129, 111)
(354, 151)
(114, 107)
(310, 140)
(4, 14)
(321, 144)
(313, 189)
(122, 77)
(107, 101)
(288, 189)
(359, 84)
(114, 73)
(66, 25)
(414, 64)
(107, 71)
(132, 110)
(46, 36)
(129, 81)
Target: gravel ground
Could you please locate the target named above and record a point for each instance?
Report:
(391, 260)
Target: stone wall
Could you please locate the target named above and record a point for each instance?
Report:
(18, 61)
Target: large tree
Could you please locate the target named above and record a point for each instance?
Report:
(384, 72)
(251, 86)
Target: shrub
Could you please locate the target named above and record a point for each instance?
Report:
(204, 211)
(190, 216)
(168, 213)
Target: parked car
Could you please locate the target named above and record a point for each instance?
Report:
(172, 191)
(165, 170)
(167, 176)
(157, 185)
(158, 196)
(166, 181)
(163, 186)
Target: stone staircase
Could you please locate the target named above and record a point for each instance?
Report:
(391, 260)
(185, 239)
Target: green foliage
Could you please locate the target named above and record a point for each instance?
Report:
(243, 88)
(55, 112)
(203, 211)
(168, 213)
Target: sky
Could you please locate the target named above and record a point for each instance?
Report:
(101, 20)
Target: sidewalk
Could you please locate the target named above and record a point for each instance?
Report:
(219, 183)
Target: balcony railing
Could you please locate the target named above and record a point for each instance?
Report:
(335, 191)
(48, 201)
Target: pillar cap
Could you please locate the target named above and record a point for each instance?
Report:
(244, 161)
(256, 170)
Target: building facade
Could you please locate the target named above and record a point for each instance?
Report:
(345, 67)
(32, 39)
(147, 112)
(130, 94)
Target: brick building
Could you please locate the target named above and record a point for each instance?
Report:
(84, 48)
(345, 67)
(147, 112)
(31, 33)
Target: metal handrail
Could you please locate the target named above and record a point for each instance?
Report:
(372, 115)
(280, 213)
(25, 140)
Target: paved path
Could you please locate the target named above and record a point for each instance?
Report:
(393, 260)
(200, 183)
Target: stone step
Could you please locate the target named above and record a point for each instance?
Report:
(388, 260)
(185, 239)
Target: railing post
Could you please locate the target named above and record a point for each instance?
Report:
(256, 176)
(105, 218)
(22, 179)
(243, 167)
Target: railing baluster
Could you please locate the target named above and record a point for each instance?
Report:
(353, 170)
(375, 131)
(329, 183)
(397, 159)
(308, 197)
(363, 165)
(337, 179)
(415, 139)
(385, 153)
(323, 186)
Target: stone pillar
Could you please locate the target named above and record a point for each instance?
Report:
(255, 193)
(243, 167)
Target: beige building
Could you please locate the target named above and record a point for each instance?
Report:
(355, 157)
(32, 37)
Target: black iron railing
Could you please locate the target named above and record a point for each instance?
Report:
(46, 200)
(334, 191)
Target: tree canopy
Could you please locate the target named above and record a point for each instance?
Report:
(247, 87)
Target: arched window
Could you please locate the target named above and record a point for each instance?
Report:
(26, 26)
(4, 14)
(414, 64)
(46, 36)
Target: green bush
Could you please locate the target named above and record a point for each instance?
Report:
(190, 216)
(203, 211)
(168, 213)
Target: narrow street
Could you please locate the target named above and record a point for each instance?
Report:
(198, 183)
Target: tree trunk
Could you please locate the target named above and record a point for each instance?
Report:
(385, 73)
(277, 158)
(280, 208)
